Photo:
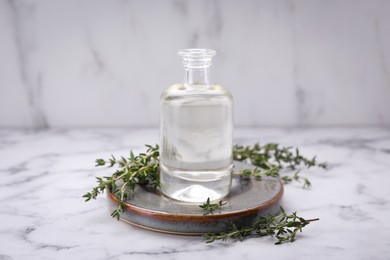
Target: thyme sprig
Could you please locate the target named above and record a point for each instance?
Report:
(283, 226)
(210, 207)
(287, 179)
(270, 159)
(142, 169)
(271, 155)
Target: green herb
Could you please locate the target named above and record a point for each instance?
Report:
(210, 207)
(270, 159)
(142, 169)
(257, 173)
(296, 177)
(284, 227)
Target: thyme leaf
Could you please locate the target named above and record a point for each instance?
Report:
(210, 207)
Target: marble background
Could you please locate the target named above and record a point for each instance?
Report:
(105, 63)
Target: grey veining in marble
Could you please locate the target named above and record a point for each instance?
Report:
(89, 63)
(45, 173)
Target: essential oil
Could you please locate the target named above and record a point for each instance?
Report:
(196, 131)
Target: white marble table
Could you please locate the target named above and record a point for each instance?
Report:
(44, 174)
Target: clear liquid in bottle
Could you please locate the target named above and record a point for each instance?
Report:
(196, 131)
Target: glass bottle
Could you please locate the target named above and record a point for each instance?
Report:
(196, 132)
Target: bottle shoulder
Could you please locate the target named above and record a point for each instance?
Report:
(202, 91)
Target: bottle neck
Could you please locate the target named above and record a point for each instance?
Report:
(196, 76)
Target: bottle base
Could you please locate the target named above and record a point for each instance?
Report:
(177, 185)
(195, 194)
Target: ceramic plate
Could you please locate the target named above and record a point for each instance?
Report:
(248, 199)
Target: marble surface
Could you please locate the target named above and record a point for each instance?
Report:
(45, 173)
(310, 62)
